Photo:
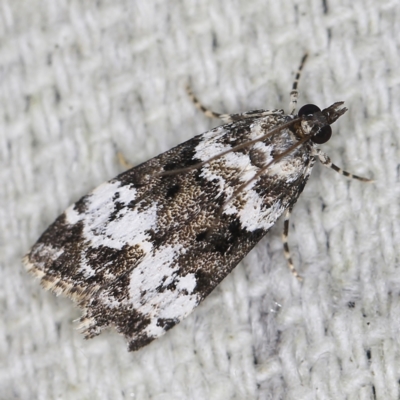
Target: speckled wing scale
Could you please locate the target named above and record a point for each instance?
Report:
(141, 251)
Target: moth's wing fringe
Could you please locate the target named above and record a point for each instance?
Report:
(75, 292)
(87, 326)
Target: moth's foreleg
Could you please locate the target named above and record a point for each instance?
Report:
(294, 93)
(286, 250)
(326, 161)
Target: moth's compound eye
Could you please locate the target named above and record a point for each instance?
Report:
(308, 109)
(323, 135)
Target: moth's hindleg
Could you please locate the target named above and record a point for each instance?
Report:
(286, 250)
(326, 161)
(294, 93)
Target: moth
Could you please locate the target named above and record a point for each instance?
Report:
(141, 251)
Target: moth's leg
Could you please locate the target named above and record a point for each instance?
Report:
(206, 111)
(228, 118)
(326, 161)
(286, 250)
(123, 161)
(294, 93)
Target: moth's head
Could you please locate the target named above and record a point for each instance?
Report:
(317, 123)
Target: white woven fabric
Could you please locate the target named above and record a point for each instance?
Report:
(81, 80)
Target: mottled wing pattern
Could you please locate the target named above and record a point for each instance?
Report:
(141, 251)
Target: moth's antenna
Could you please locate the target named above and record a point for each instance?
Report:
(294, 93)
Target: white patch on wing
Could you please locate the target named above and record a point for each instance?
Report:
(253, 217)
(290, 170)
(85, 269)
(129, 225)
(187, 282)
(256, 131)
(100, 197)
(72, 216)
(155, 271)
(129, 228)
(267, 150)
(148, 291)
(213, 134)
(251, 214)
(207, 149)
(235, 161)
(47, 252)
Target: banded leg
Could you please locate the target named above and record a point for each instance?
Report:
(326, 161)
(228, 118)
(206, 111)
(286, 250)
(294, 93)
